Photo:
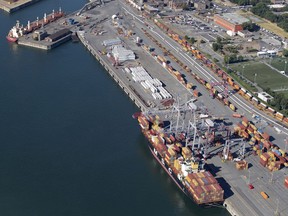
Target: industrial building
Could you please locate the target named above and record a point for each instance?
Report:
(39, 35)
(264, 96)
(111, 42)
(150, 9)
(245, 34)
(202, 4)
(58, 35)
(230, 21)
(177, 4)
(278, 1)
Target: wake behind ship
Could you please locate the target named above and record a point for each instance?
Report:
(184, 167)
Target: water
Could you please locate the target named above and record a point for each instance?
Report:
(68, 144)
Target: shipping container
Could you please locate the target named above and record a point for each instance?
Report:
(232, 107)
(264, 195)
(279, 116)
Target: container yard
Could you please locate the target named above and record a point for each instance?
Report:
(208, 141)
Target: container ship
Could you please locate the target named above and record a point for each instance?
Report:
(184, 167)
(19, 30)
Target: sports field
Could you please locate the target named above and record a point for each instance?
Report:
(265, 76)
(279, 64)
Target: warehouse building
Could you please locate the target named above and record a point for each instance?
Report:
(58, 35)
(230, 21)
(177, 4)
(265, 96)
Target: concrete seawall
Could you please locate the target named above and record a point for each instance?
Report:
(10, 8)
(44, 46)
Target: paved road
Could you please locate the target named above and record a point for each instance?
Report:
(243, 106)
(250, 201)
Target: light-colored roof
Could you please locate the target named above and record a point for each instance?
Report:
(233, 18)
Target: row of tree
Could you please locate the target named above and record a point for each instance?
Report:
(261, 9)
(249, 2)
(229, 59)
(191, 40)
(250, 26)
(279, 101)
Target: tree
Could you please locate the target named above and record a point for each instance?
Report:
(185, 7)
(285, 52)
(250, 26)
(219, 40)
(240, 58)
(192, 40)
(226, 59)
(216, 46)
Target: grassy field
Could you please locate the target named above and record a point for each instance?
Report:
(265, 24)
(285, 93)
(279, 64)
(266, 77)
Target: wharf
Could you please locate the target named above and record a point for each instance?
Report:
(14, 6)
(239, 199)
(131, 92)
(45, 45)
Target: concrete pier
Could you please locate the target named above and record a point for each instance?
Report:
(12, 7)
(129, 90)
(43, 45)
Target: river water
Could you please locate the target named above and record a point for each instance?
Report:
(68, 143)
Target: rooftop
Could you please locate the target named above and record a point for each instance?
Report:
(233, 18)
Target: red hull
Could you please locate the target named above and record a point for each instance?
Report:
(11, 39)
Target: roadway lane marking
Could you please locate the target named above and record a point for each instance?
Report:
(200, 69)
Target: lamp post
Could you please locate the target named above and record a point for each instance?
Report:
(243, 71)
(285, 66)
(255, 78)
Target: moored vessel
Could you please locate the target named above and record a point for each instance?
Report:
(183, 165)
(19, 30)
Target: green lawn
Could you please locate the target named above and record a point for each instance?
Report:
(279, 64)
(266, 77)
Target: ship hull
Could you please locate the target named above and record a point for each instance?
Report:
(175, 179)
(166, 168)
(179, 184)
(11, 39)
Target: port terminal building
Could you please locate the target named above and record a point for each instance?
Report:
(230, 21)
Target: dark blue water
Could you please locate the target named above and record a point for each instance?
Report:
(68, 144)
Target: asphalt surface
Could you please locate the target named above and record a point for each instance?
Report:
(237, 193)
(245, 201)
